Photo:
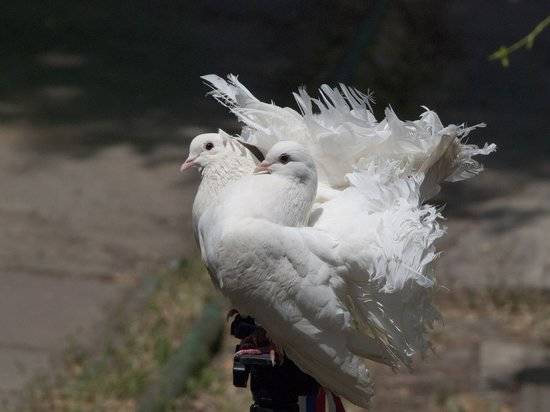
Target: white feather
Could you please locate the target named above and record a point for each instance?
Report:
(341, 132)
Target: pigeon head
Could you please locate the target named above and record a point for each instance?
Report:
(205, 149)
(211, 148)
(289, 159)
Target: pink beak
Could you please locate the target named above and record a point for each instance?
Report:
(189, 162)
(263, 168)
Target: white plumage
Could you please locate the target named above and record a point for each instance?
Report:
(222, 160)
(341, 132)
(356, 283)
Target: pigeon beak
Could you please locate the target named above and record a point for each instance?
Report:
(189, 162)
(263, 168)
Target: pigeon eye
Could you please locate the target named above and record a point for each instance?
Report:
(284, 158)
(209, 146)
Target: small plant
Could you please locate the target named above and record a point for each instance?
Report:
(503, 53)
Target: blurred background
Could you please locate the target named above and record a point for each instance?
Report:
(98, 102)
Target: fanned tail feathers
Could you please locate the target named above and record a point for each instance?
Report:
(264, 124)
(341, 131)
(393, 304)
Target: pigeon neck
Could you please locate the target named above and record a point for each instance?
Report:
(215, 177)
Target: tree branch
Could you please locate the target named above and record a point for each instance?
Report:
(503, 53)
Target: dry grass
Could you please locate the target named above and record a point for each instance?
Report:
(113, 379)
(445, 381)
(213, 389)
(523, 314)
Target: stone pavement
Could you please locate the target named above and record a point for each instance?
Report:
(76, 235)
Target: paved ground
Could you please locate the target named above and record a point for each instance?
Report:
(76, 235)
(501, 239)
(76, 231)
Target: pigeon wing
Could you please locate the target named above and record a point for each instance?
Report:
(286, 278)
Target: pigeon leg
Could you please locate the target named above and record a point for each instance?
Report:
(256, 339)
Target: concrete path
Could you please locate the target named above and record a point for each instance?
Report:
(76, 233)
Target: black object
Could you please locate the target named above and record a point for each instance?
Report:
(274, 388)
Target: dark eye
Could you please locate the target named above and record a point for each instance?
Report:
(284, 158)
(209, 146)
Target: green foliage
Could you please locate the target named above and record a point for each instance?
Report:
(503, 53)
(186, 361)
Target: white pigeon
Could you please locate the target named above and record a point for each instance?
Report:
(321, 292)
(374, 216)
(221, 160)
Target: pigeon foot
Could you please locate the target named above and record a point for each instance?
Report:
(260, 352)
